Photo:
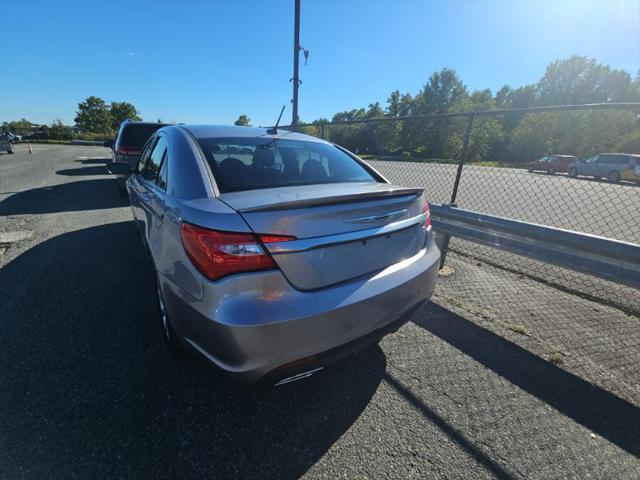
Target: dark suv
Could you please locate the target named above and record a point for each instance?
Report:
(131, 138)
(552, 163)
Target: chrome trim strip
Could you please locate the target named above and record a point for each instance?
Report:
(377, 218)
(299, 376)
(295, 246)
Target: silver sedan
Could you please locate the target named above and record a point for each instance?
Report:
(277, 253)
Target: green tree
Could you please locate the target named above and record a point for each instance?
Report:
(444, 92)
(577, 80)
(316, 129)
(59, 131)
(243, 121)
(93, 116)
(633, 92)
(121, 111)
(20, 127)
(513, 137)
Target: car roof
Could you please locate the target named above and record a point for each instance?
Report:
(128, 123)
(231, 131)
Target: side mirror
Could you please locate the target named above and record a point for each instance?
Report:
(108, 144)
(118, 168)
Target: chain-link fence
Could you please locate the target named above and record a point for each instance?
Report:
(570, 167)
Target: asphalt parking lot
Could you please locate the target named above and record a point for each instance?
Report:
(483, 383)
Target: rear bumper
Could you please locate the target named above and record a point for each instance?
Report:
(256, 324)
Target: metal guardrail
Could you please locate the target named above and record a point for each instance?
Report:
(598, 256)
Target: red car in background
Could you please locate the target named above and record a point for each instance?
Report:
(552, 164)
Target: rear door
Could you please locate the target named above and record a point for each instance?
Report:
(590, 167)
(605, 164)
(151, 198)
(136, 188)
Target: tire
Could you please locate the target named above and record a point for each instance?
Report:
(530, 169)
(573, 172)
(10, 151)
(176, 350)
(614, 176)
(551, 171)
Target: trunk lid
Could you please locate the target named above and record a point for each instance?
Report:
(342, 231)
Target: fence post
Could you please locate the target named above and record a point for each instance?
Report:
(454, 194)
(322, 131)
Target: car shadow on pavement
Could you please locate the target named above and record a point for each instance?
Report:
(65, 197)
(76, 172)
(88, 389)
(497, 471)
(587, 404)
(93, 161)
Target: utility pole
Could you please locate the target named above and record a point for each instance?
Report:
(296, 52)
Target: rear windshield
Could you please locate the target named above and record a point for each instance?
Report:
(252, 163)
(135, 136)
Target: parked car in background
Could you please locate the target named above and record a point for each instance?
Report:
(130, 139)
(39, 135)
(612, 166)
(552, 164)
(5, 143)
(282, 257)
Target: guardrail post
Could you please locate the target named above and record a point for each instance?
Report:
(456, 184)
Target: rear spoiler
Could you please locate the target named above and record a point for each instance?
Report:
(333, 200)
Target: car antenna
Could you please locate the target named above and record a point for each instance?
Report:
(274, 130)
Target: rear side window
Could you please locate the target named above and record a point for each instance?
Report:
(161, 179)
(252, 163)
(144, 156)
(155, 160)
(135, 136)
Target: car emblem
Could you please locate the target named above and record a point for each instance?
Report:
(377, 218)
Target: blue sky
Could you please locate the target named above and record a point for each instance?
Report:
(208, 61)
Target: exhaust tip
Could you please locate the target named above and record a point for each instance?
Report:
(299, 376)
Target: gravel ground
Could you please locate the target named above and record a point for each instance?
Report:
(485, 382)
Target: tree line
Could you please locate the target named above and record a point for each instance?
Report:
(95, 118)
(511, 138)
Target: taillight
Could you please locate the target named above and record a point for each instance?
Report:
(128, 151)
(217, 254)
(425, 209)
